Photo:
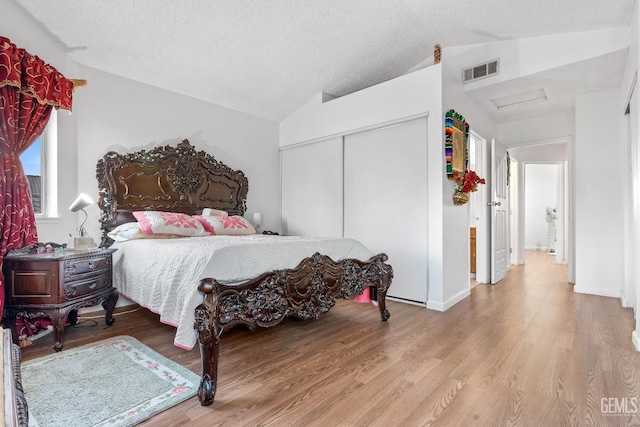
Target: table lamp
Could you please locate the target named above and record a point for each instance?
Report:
(257, 220)
(83, 241)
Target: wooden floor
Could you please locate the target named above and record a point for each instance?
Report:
(528, 351)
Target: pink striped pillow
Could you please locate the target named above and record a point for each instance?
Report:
(226, 225)
(156, 222)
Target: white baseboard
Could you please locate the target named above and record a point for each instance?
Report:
(635, 338)
(437, 306)
(444, 306)
(418, 303)
(613, 293)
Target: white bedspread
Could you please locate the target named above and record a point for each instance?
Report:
(163, 274)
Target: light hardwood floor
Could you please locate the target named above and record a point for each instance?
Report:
(528, 351)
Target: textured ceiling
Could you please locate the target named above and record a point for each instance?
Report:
(267, 58)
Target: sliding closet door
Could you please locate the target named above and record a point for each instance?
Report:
(385, 200)
(311, 177)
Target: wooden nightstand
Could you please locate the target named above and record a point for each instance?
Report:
(57, 285)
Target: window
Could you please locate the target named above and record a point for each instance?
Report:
(40, 166)
(32, 165)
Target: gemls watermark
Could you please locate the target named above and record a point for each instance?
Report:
(613, 406)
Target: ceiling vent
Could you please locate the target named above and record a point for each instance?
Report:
(481, 71)
(521, 99)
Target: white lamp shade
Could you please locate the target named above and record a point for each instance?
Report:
(81, 202)
(257, 218)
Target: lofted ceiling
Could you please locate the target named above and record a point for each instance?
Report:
(267, 58)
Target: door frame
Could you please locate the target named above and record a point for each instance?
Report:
(519, 217)
(568, 203)
(632, 230)
(483, 226)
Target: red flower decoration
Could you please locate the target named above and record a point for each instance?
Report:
(467, 181)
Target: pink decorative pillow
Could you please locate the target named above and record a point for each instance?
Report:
(156, 222)
(226, 225)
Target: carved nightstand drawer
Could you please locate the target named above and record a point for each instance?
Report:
(83, 287)
(83, 267)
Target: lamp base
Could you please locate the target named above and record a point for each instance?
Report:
(80, 243)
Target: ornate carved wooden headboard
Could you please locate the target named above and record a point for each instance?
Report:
(172, 179)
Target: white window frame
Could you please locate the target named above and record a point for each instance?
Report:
(49, 169)
(49, 165)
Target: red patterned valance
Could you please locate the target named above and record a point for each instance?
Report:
(33, 77)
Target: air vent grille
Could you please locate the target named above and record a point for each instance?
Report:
(481, 71)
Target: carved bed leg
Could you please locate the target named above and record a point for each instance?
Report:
(384, 313)
(209, 381)
(386, 275)
(109, 304)
(208, 329)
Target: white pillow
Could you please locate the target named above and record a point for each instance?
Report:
(214, 212)
(132, 231)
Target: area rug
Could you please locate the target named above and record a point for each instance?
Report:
(114, 382)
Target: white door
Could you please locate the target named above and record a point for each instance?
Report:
(385, 201)
(311, 186)
(499, 212)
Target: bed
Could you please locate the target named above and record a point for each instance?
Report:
(212, 283)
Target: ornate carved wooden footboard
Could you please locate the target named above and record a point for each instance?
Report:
(307, 292)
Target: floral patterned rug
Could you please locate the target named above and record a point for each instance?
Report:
(114, 382)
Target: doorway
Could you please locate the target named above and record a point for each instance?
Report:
(542, 180)
(478, 214)
(556, 151)
(541, 216)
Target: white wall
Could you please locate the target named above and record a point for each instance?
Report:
(123, 115)
(551, 153)
(113, 113)
(599, 194)
(541, 129)
(540, 193)
(628, 79)
(456, 218)
(396, 99)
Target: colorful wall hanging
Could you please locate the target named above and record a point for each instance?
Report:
(456, 145)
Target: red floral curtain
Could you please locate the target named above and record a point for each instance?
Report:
(29, 90)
